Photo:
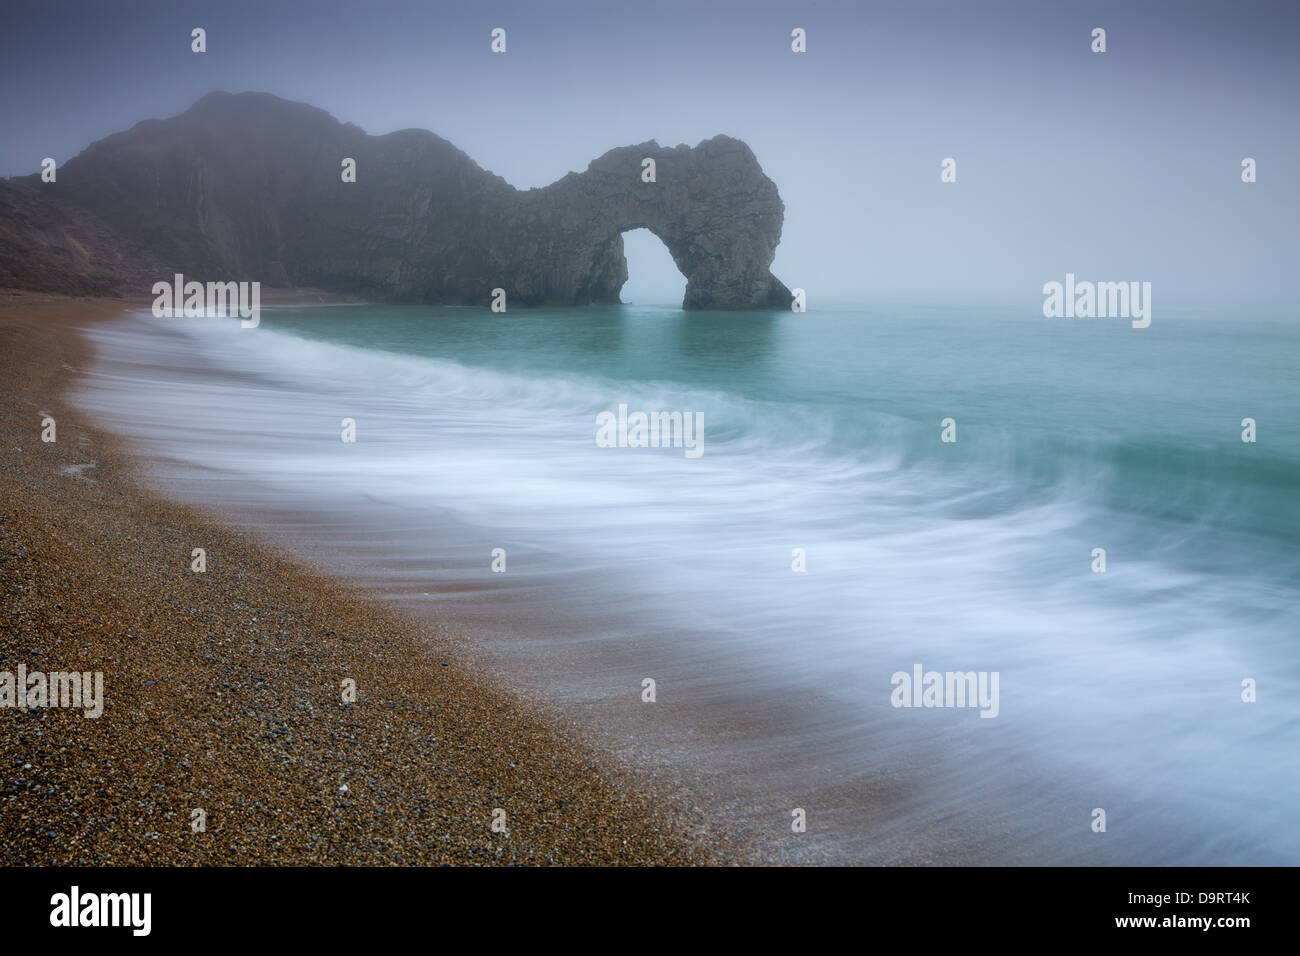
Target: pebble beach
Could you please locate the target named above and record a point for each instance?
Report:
(224, 689)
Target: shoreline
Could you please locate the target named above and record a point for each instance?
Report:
(734, 743)
(222, 689)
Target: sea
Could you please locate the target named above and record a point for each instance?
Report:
(881, 490)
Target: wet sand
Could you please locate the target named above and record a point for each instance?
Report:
(737, 741)
(223, 689)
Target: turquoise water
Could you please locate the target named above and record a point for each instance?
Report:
(822, 432)
(1149, 419)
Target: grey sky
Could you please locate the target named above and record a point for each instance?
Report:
(1123, 165)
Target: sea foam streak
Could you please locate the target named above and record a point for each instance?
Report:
(1116, 687)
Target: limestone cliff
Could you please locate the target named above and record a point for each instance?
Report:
(248, 187)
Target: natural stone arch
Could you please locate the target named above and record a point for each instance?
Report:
(247, 187)
(713, 208)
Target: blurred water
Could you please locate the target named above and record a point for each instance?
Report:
(821, 432)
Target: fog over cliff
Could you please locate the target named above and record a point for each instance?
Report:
(251, 187)
(1123, 165)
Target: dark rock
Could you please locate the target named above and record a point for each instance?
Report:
(247, 187)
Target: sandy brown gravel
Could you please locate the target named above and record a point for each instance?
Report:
(223, 693)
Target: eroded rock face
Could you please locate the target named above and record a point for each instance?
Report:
(248, 187)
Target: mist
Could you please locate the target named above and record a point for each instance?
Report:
(1123, 165)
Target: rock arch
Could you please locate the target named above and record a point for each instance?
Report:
(712, 206)
(247, 187)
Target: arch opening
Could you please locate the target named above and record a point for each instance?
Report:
(652, 276)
